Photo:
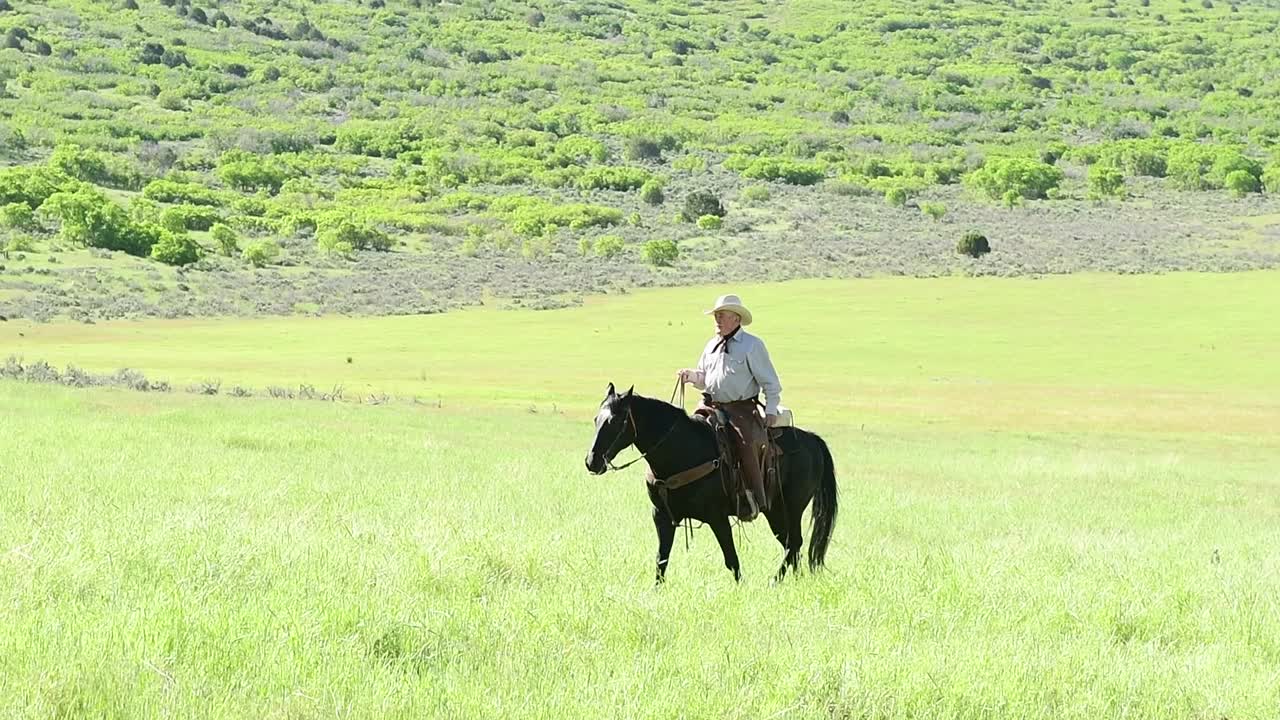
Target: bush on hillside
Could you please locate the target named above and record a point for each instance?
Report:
(973, 244)
(699, 203)
(1026, 178)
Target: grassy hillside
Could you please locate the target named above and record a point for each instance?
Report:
(1176, 353)
(531, 152)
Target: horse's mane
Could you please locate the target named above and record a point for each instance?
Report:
(665, 408)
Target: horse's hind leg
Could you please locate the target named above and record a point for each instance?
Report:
(794, 537)
(666, 536)
(724, 535)
(786, 529)
(778, 524)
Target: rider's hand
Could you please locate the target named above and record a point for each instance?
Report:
(686, 375)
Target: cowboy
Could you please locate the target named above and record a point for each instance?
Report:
(733, 370)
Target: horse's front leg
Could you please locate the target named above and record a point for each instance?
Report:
(724, 535)
(666, 528)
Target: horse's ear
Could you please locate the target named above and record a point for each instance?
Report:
(610, 392)
(629, 391)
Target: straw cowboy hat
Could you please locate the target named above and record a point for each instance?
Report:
(732, 303)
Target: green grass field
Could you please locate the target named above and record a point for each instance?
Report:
(1059, 500)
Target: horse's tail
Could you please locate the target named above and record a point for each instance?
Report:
(825, 507)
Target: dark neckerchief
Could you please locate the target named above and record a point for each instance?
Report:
(723, 344)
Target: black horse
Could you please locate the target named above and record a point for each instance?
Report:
(672, 442)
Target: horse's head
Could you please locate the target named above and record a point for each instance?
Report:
(615, 430)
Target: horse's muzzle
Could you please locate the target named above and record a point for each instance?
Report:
(595, 466)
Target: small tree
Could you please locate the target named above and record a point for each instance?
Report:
(699, 203)
(344, 235)
(226, 238)
(710, 222)
(973, 244)
(89, 218)
(896, 196)
(261, 253)
(660, 252)
(1021, 177)
(18, 216)
(175, 249)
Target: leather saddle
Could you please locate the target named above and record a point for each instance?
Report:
(733, 478)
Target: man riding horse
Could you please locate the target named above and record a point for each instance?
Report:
(733, 370)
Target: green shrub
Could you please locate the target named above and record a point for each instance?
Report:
(787, 171)
(756, 194)
(613, 178)
(1195, 166)
(1106, 182)
(376, 139)
(1271, 178)
(710, 222)
(336, 233)
(1241, 183)
(19, 244)
(699, 203)
(95, 167)
(531, 217)
(1023, 177)
(608, 246)
(896, 196)
(578, 150)
(261, 253)
(660, 252)
(181, 218)
(174, 248)
(1053, 152)
(170, 191)
(936, 211)
(690, 163)
(973, 244)
(226, 238)
(1146, 158)
(253, 173)
(18, 216)
(33, 185)
(89, 218)
(651, 193)
(642, 148)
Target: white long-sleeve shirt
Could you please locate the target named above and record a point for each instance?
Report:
(739, 374)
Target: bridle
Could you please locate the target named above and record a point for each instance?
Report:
(635, 433)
